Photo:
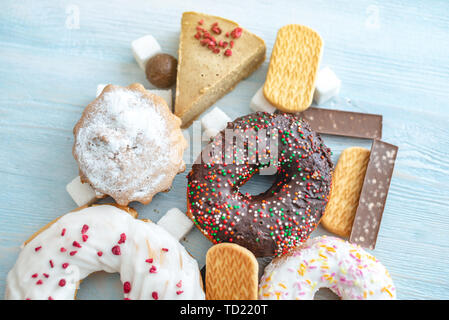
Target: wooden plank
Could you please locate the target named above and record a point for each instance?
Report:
(391, 57)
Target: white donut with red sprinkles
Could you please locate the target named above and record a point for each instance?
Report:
(152, 263)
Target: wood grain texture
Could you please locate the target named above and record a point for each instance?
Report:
(390, 55)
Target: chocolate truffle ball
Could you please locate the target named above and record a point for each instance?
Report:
(161, 70)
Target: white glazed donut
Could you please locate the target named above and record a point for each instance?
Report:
(152, 263)
(326, 262)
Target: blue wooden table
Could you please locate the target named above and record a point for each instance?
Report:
(392, 58)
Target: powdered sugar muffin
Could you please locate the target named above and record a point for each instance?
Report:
(128, 144)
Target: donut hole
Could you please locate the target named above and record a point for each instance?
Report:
(325, 294)
(258, 184)
(101, 285)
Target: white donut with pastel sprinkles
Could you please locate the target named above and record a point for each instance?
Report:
(152, 263)
(326, 262)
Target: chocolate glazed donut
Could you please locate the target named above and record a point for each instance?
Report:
(283, 216)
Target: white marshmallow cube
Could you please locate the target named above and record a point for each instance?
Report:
(215, 121)
(81, 193)
(176, 223)
(260, 103)
(164, 94)
(144, 48)
(327, 85)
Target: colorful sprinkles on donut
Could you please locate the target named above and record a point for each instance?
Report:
(326, 262)
(278, 219)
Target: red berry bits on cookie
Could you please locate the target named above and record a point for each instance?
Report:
(206, 38)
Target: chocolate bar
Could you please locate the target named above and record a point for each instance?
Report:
(374, 194)
(344, 123)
